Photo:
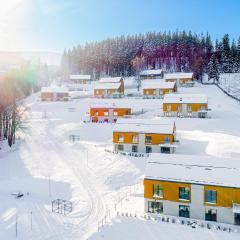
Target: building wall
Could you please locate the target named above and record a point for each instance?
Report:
(156, 138)
(51, 96)
(225, 197)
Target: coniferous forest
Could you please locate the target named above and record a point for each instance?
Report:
(176, 51)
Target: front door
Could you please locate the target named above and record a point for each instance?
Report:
(237, 218)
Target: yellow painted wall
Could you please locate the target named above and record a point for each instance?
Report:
(126, 136)
(170, 190)
(225, 196)
(156, 138)
(174, 106)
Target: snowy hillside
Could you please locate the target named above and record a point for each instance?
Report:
(46, 165)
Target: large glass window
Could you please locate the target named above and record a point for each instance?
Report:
(148, 149)
(184, 193)
(120, 147)
(157, 190)
(166, 139)
(211, 215)
(135, 139)
(155, 207)
(148, 139)
(189, 108)
(184, 211)
(120, 138)
(106, 113)
(210, 196)
(134, 148)
(115, 113)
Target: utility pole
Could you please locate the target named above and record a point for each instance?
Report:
(49, 186)
(16, 226)
(31, 220)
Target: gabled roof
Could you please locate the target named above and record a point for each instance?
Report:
(156, 84)
(151, 72)
(178, 75)
(143, 128)
(80, 77)
(143, 121)
(140, 126)
(110, 80)
(106, 86)
(204, 170)
(107, 105)
(185, 98)
(54, 89)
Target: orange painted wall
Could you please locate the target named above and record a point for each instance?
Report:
(156, 138)
(100, 111)
(170, 190)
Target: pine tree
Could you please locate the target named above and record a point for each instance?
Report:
(213, 69)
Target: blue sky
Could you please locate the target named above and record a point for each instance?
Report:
(55, 24)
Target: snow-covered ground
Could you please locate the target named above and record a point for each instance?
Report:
(47, 166)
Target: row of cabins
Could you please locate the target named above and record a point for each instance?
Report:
(194, 187)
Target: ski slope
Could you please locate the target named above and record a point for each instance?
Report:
(45, 165)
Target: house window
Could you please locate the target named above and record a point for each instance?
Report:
(154, 92)
(179, 108)
(147, 92)
(166, 139)
(115, 113)
(106, 113)
(96, 113)
(211, 196)
(120, 138)
(211, 215)
(203, 108)
(184, 211)
(184, 193)
(134, 148)
(148, 139)
(148, 149)
(168, 107)
(157, 190)
(189, 108)
(155, 207)
(120, 147)
(97, 92)
(135, 139)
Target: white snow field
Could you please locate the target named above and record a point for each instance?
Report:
(46, 166)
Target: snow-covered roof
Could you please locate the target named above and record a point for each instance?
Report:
(185, 98)
(195, 169)
(155, 84)
(54, 89)
(107, 85)
(142, 121)
(145, 128)
(178, 75)
(110, 80)
(80, 77)
(151, 72)
(108, 105)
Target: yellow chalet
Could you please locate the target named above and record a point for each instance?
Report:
(157, 89)
(181, 78)
(151, 74)
(144, 136)
(109, 87)
(185, 105)
(195, 187)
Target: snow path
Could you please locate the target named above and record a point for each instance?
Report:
(41, 144)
